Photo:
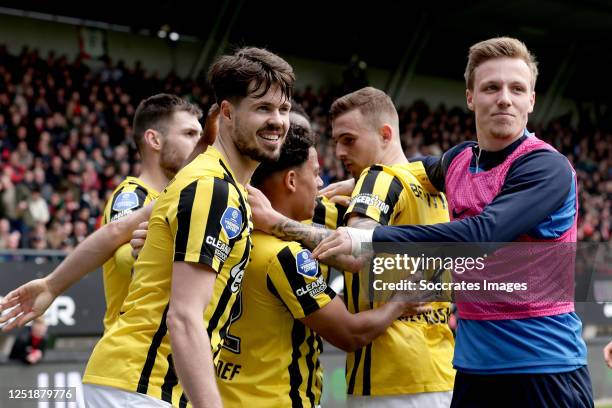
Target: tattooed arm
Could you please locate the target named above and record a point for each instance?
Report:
(267, 219)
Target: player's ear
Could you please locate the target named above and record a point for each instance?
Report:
(290, 180)
(152, 138)
(227, 110)
(386, 132)
(469, 99)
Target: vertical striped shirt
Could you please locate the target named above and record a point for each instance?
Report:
(201, 217)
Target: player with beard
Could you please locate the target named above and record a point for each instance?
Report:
(166, 129)
(33, 298)
(199, 245)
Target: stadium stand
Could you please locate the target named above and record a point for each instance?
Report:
(65, 144)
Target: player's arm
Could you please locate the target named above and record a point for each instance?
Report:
(267, 219)
(192, 289)
(350, 332)
(377, 196)
(339, 192)
(33, 298)
(536, 185)
(298, 282)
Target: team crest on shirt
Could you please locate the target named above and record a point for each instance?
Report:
(231, 222)
(125, 201)
(305, 265)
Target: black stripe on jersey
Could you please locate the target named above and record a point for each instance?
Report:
(298, 334)
(228, 177)
(367, 367)
(143, 383)
(226, 296)
(393, 194)
(311, 367)
(367, 187)
(218, 204)
(288, 264)
(319, 213)
(243, 207)
(183, 401)
(183, 219)
(341, 211)
(274, 291)
(318, 364)
(351, 385)
(354, 293)
(142, 194)
(170, 381)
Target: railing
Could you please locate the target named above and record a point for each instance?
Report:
(37, 256)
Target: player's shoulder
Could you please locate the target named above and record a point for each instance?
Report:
(285, 254)
(130, 195)
(543, 160)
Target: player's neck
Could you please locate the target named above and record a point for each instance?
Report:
(281, 204)
(490, 143)
(153, 176)
(242, 166)
(393, 155)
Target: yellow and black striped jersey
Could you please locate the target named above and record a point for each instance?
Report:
(327, 214)
(414, 355)
(129, 196)
(270, 359)
(203, 217)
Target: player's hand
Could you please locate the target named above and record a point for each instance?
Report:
(139, 237)
(338, 243)
(415, 308)
(339, 188)
(34, 357)
(342, 200)
(28, 302)
(264, 216)
(607, 352)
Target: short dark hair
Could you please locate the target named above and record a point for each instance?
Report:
(153, 111)
(294, 151)
(249, 71)
(369, 101)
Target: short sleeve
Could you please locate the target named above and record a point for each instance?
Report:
(376, 195)
(125, 201)
(210, 218)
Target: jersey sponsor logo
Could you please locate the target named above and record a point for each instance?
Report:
(436, 316)
(371, 200)
(313, 288)
(231, 221)
(236, 275)
(121, 214)
(226, 370)
(305, 265)
(222, 250)
(125, 201)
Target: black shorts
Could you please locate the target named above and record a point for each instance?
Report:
(564, 390)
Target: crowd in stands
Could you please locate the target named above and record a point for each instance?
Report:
(65, 144)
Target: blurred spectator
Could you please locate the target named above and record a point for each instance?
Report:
(37, 210)
(30, 346)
